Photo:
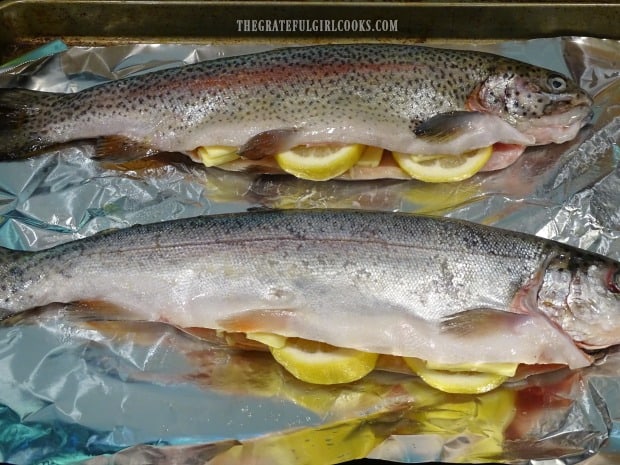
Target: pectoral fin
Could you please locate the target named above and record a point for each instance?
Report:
(268, 320)
(444, 127)
(267, 143)
(98, 309)
(121, 149)
(480, 321)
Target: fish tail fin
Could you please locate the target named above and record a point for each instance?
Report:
(22, 132)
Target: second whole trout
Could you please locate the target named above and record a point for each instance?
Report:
(434, 288)
(401, 98)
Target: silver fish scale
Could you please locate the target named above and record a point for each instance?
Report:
(398, 84)
(327, 261)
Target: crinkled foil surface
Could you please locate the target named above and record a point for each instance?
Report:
(78, 388)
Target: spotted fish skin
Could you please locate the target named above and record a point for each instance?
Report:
(427, 287)
(374, 94)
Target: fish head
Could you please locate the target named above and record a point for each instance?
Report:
(540, 103)
(582, 296)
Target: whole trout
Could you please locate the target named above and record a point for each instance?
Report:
(402, 98)
(433, 288)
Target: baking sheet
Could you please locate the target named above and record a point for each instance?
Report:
(74, 388)
(24, 23)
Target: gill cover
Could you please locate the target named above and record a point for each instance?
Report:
(524, 92)
(582, 296)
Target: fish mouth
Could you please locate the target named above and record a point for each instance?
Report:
(557, 126)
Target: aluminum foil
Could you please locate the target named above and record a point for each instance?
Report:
(75, 388)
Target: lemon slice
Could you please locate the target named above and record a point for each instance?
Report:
(215, 155)
(371, 157)
(269, 339)
(443, 168)
(457, 382)
(462, 382)
(320, 363)
(504, 369)
(321, 162)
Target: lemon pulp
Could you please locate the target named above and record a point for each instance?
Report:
(320, 363)
(269, 339)
(214, 155)
(505, 369)
(443, 168)
(371, 157)
(321, 162)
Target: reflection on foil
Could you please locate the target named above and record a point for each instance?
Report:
(74, 388)
(86, 392)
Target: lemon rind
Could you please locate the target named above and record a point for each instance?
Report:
(414, 165)
(298, 163)
(303, 166)
(347, 365)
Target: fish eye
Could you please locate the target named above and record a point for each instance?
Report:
(557, 83)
